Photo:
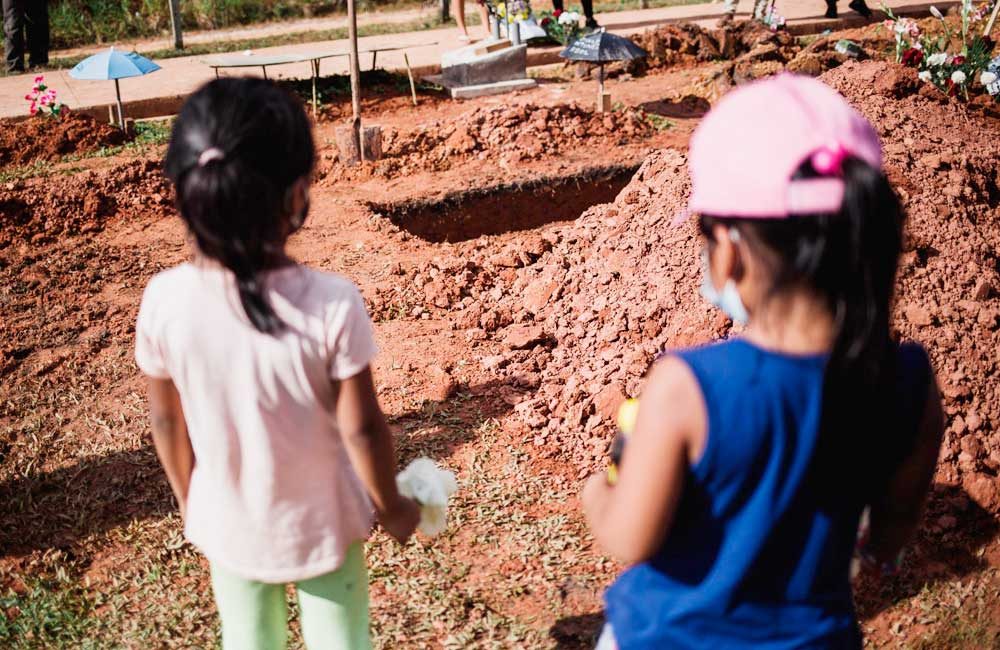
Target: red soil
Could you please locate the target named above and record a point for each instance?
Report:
(48, 138)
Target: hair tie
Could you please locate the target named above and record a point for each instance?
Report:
(209, 155)
(828, 160)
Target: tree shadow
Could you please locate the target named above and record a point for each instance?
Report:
(59, 508)
(686, 107)
(936, 555)
(577, 632)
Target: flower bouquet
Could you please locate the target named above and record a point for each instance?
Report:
(42, 99)
(562, 26)
(954, 73)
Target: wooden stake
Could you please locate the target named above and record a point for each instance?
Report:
(121, 111)
(315, 77)
(993, 19)
(409, 73)
(352, 32)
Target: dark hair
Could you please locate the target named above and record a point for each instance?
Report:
(850, 259)
(235, 199)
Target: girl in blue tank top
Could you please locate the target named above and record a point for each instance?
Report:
(741, 489)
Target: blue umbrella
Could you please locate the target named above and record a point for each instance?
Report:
(114, 65)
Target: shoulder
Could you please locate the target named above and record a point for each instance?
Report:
(678, 402)
(336, 299)
(721, 358)
(170, 278)
(331, 287)
(913, 357)
(165, 286)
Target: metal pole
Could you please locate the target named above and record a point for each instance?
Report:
(352, 32)
(175, 24)
(121, 111)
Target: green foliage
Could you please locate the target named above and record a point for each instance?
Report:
(46, 614)
(80, 22)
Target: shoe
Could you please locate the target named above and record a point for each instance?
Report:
(831, 9)
(860, 7)
(592, 24)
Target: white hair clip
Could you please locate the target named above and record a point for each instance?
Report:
(210, 154)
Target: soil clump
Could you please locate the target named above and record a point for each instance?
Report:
(506, 134)
(45, 138)
(39, 209)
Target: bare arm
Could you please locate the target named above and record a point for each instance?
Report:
(170, 437)
(896, 514)
(631, 519)
(369, 446)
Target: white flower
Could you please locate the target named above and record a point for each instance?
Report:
(430, 487)
(937, 59)
(987, 78)
(936, 13)
(958, 77)
(925, 76)
(569, 18)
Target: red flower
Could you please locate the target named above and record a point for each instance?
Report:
(913, 57)
(557, 13)
(958, 60)
(952, 88)
(546, 21)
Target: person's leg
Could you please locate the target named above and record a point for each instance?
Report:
(254, 614)
(588, 13)
(36, 18)
(335, 606)
(460, 18)
(13, 29)
(831, 9)
(557, 5)
(860, 7)
(484, 15)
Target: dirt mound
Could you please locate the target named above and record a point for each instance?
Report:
(42, 208)
(585, 307)
(680, 43)
(509, 134)
(46, 138)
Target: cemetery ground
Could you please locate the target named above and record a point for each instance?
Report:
(518, 257)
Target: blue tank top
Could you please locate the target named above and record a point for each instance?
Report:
(751, 560)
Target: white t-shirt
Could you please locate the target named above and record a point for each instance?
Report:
(273, 496)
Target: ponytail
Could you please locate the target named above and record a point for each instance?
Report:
(850, 259)
(236, 152)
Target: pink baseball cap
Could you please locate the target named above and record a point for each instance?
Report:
(744, 153)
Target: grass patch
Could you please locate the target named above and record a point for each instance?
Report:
(659, 122)
(46, 614)
(80, 22)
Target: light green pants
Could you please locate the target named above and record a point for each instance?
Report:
(334, 609)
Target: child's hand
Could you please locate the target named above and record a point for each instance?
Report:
(595, 493)
(401, 519)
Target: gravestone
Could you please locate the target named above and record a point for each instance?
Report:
(487, 68)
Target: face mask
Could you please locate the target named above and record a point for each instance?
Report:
(728, 300)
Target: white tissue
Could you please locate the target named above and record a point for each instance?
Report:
(430, 486)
